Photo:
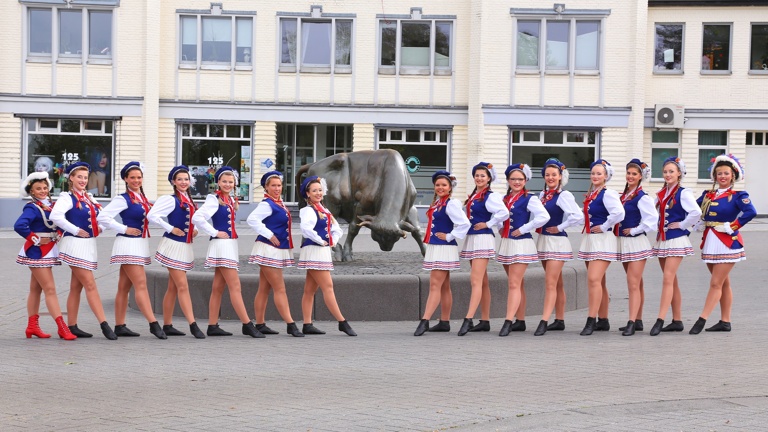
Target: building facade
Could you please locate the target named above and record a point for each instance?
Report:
(275, 85)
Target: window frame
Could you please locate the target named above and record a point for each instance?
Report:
(298, 65)
(677, 146)
(83, 56)
(705, 147)
(198, 63)
(752, 135)
(431, 69)
(729, 70)
(654, 68)
(751, 44)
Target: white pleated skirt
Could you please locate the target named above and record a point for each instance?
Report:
(478, 246)
(49, 260)
(267, 255)
(634, 248)
(555, 248)
(175, 255)
(79, 252)
(315, 258)
(517, 251)
(222, 253)
(130, 250)
(715, 252)
(441, 257)
(679, 247)
(599, 246)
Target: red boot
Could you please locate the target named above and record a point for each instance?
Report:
(64, 332)
(33, 328)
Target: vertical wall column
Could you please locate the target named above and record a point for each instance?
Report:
(475, 107)
(635, 146)
(150, 115)
(363, 137)
(264, 147)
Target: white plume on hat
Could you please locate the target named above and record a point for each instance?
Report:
(35, 176)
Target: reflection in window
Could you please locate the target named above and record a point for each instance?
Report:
(40, 37)
(668, 51)
(587, 42)
(317, 39)
(100, 33)
(664, 144)
(189, 39)
(716, 48)
(759, 47)
(442, 44)
(70, 32)
(244, 40)
(315, 43)
(557, 44)
(417, 53)
(414, 48)
(528, 44)
(388, 46)
(217, 40)
(711, 144)
(343, 42)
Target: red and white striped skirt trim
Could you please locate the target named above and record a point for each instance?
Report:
(130, 250)
(315, 258)
(599, 246)
(715, 252)
(634, 248)
(441, 257)
(678, 247)
(554, 248)
(517, 251)
(222, 253)
(49, 260)
(175, 255)
(79, 252)
(270, 256)
(478, 246)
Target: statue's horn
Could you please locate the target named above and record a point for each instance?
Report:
(366, 220)
(407, 226)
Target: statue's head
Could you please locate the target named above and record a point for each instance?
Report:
(386, 234)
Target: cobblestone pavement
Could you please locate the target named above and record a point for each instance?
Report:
(388, 380)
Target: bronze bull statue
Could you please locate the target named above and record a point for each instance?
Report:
(372, 189)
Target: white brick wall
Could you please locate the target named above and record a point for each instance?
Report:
(10, 163)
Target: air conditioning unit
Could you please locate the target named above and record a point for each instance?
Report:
(669, 116)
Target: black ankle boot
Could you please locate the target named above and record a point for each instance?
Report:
(638, 326)
(721, 326)
(602, 324)
(505, 328)
(346, 328)
(215, 330)
(676, 326)
(155, 329)
(518, 326)
(541, 329)
(481, 326)
(698, 327)
(250, 330)
(557, 325)
(589, 327)
(170, 330)
(106, 330)
(309, 329)
(266, 330)
(293, 330)
(195, 330)
(422, 327)
(442, 326)
(466, 326)
(629, 329)
(123, 330)
(79, 333)
(657, 328)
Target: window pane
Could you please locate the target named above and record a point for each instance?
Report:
(444, 136)
(664, 137)
(415, 44)
(93, 126)
(443, 44)
(205, 156)
(412, 135)
(244, 40)
(40, 31)
(396, 135)
(422, 161)
(591, 137)
(557, 44)
(199, 130)
(575, 137)
(288, 43)
(759, 47)
(388, 42)
(658, 155)
(343, 42)
(669, 47)
(108, 127)
(316, 43)
(189, 38)
(70, 126)
(587, 38)
(70, 32)
(531, 136)
(528, 43)
(233, 131)
(758, 139)
(718, 138)
(553, 137)
(706, 156)
(515, 137)
(382, 135)
(246, 131)
(217, 40)
(185, 130)
(100, 33)
(430, 136)
(49, 124)
(216, 131)
(716, 48)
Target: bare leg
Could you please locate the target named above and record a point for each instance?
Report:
(214, 303)
(595, 273)
(44, 278)
(726, 300)
(719, 277)
(642, 298)
(274, 280)
(262, 296)
(169, 300)
(35, 293)
(520, 314)
(446, 299)
(323, 278)
(669, 287)
(232, 279)
(477, 277)
(677, 301)
(515, 273)
(605, 300)
(138, 277)
(552, 274)
(73, 300)
(485, 300)
(179, 278)
(634, 271)
(121, 297)
(308, 299)
(91, 292)
(437, 280)
(561, 299)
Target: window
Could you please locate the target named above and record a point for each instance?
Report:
(70, 38)
(757, 138)
(664, 144)
(559, 47)
(576, 149)
(218, 39)
(322, 45)
(425, 47)
(424, 152)
(204, 148)
(711, 144)
(716, 48)
(668, 52)
(759, 48)
(52, 144)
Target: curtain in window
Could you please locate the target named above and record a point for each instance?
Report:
(713, 138)
(244, 33)
(288, 45)
(528, 43)
(415, 44)
(587, 45)
(217, 39)
(316, 43)
(343, 42)
(189, 38)
(557, 44)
